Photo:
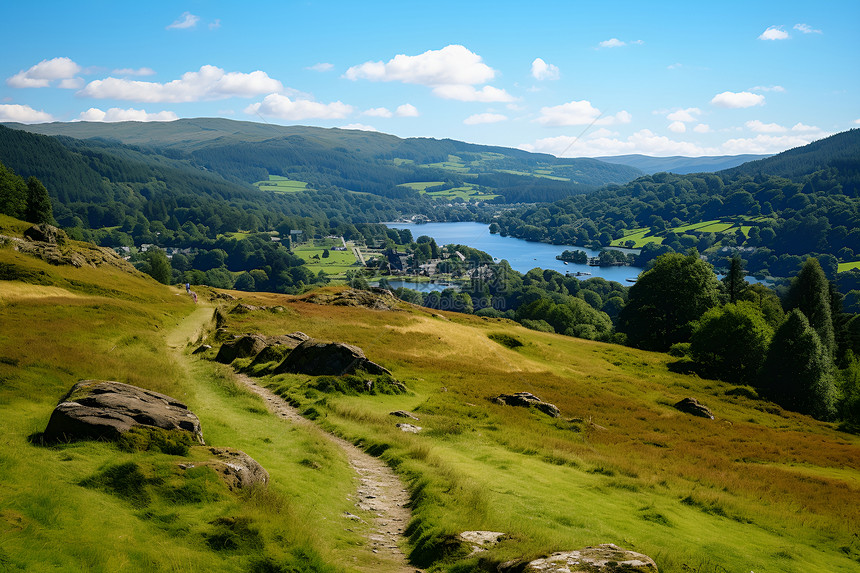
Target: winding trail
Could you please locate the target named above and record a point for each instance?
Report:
(379, 491)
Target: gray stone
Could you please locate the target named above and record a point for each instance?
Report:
(409, 428)
(236, 468)
(318, 358)
(695, 408)
(403, 414)
(101, 409)
(605, 558)
(243, 347)
(46, 233)
(526, 400)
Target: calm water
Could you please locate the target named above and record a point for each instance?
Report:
(521, 254)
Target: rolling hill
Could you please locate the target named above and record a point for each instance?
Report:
(681, 165)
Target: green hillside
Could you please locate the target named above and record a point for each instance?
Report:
(758, 488)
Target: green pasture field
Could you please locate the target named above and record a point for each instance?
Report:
(541, 173)
(278, 184)
(845, 267)
(422, 185)
(337, 263)
(758, 488)
(638, 236)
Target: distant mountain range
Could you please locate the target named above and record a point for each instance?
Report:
(681, 165)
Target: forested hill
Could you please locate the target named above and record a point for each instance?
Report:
(841, 151)
(773, 212)
(355, 160)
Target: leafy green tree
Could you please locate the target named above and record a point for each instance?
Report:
(798, 370)
(666, 299)
(810, 293)
(13, 193)
(38, 203)
(730, 342)
(245, 282)
(159, 266)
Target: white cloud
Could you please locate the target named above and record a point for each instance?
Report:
(480, 118)
(42, 74)
(806, 29)
(378, 112)
(544, 71)
(321, 67)
(282, 107)
(857, 122)
(768, 89)
(130, 114)
(702, 128)
(579, 113)
(71, 83)
(487, 94)
(452, 65)
(187, 20)
(684, 115)
(759, 127)
(677, 127)
(210, 83)
(612, 43)
(134, 72)
(802, 127)
(406, 110)
(774, 33)
(675, 66)
(359, 126)
(737, 99)
(23, 114)
(761, 144)
(644, 141)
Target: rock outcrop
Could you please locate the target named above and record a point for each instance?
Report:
(526, 400)
(243, 347)
(46, 233)
(236, 468)
(376, 298)
(403, 414)
(409, 428)
(605, 558)
(318, 358)
(695, 408)
(102, 409)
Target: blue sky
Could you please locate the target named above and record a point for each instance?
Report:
(569, 78)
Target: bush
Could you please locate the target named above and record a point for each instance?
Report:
(506, 340)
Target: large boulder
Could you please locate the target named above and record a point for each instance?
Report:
(102, 409)
(46, 233)
(242, 347)
(605, 558)
(318, 358)
(526, 400)
(236, 468)
(695, 408)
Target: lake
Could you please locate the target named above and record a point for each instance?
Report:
(521, 254)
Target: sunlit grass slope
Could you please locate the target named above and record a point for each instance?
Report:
(90, 506)
(758, 488)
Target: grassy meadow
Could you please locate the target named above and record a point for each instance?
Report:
(337, 263)
(279, 184)
(759, 488)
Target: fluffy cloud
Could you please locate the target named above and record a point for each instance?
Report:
(737, 99)
(802, 127)
(480, 118)
(774, 33)
(759, 127)
(282, 107)
(544, 71)
(487, 94)
(677, 127)
(71, 84)
(23, 114)
(644, 141)
(134, 72)
(378, 112)
(359, 127)
(612, 43)
(762, 143)
(579, 113)
(452, 65)
(42, 74)
(685, 115)
(210, 83)
(130, 114)
(321, 67)
(806, 29)
(406, 110)
(187, 20)
(702, 128)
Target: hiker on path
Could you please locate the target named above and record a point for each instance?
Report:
(194, 296)
(188, 288)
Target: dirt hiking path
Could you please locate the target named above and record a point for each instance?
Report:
(379, 491)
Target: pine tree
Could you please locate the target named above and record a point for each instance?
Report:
(810, 293)
(798, 370)
(159, 266)
(734, 280)
(38, 208)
